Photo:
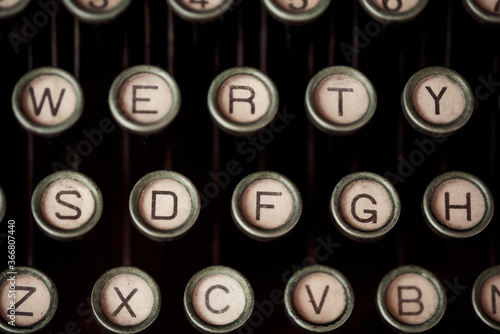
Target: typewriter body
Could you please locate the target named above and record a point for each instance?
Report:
(148, 32)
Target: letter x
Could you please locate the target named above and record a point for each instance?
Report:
(124, 303)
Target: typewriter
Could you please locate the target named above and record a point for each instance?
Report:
(366, 39)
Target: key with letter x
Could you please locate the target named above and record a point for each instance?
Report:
(126, 299)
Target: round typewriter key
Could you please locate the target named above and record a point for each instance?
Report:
(144, 99)
(9, 8)
(364, 206)
(411, 299)
(296, 12)
(340, 100)
(266, 205)
(484, 11)
(164, 205)
(486, 297)
(66, 205)
(242, 101)
(318, 299)
(218, 299)
(47, 101)
(126, 300)
(437, 101)
(28, 299)
(393, 11)
(96, 11)
(3, 205)
(200, 11)
(457, 205)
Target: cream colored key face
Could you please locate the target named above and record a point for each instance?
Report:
(412, 299)
(491, 6)
(165, 204)
(145, 98)
(267, 204)
(366, 205)
(458, 204)
(219, 299)
(201, 5)
(4, 4)
(127, 300)
(31, 299)
(243, 98)
(439, 100)
(98, 5)
(49, 100)
(319, 298)
(67, 204)
(490, 298)
(341, 99)
(298, 5)
(396, 6)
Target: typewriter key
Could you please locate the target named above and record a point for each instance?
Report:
(364, 206)
(66, 205)
(411, 299)
(200, 11)
(3, 204)
(484, 11)
(486, 297)
(144, 99)
(318, 299)
(437, 101)
(28, 299)
(96, 11)
(266, 205)
(9, 8)
(393, 11)
(47, 101)
(296, 12)
(218, 299)
(457, 205)
(340, 100)
(164, 205)
(126, 300)
(242, 101)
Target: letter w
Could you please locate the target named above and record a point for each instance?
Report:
(48, 95)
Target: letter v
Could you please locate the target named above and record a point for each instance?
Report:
(317, 308)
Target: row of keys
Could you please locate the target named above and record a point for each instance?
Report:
(219, 299)
(295, 12)
(339, 100)
(266, 205)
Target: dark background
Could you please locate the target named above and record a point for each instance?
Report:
(444, 34)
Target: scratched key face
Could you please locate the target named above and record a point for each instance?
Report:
(319, 298)
(145, 98)
(126, 300)
(24, 300)
(67, 204)
(439, 100)
(219, 299)
(49, 100)
(412, 299)
(243, 98)
(266, 204)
